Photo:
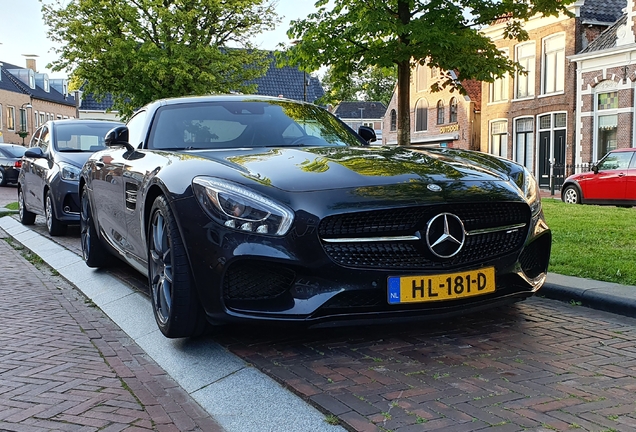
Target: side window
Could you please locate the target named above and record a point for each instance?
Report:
(45, 139)
(35, 139)
(615, 161)
(136, 129)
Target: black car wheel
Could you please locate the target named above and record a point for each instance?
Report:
(571, 195)
(26, 217)
(176, 306)
(3, 178)
(53, 224)
(94, 252)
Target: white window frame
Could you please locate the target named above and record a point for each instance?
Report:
(11, 118)
(553, 65)
(528, 62)
(503, 150)
(528, 162)
(501, 84)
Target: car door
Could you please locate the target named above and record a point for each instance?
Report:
(36, 170)
(609, 181)
(630, 180)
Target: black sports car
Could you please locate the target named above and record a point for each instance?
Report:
(265, 209)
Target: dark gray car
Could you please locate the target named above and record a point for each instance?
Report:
(10, 162)
(49, 178)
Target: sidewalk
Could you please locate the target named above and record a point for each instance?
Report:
(65, 366)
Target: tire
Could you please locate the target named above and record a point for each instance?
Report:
(175, 303)
(53, 224)
(94, 252)
(571, 195)
(26, 217)
(3, 178)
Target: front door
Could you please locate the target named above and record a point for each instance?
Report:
(544, 159)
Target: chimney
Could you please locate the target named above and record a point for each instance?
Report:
(30, 64)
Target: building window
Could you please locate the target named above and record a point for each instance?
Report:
(524, 142)
(434, 72)
(525, 81)
(393, 120)
(553, 64)
(499, 138)
(440, 112)
(1, 118)
(420, 78)
(607, 121)
(421, 115)
(23, 120)
(11, 118)
(452, 118)
(42, 118)
(499, 88)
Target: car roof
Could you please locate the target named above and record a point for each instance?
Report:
(630, 149)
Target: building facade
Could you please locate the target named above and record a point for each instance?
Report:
(531, 117)
(606, 81)
(28, 99)
(442, 119)
(362, 113)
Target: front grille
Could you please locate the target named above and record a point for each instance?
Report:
(410, 254)
(256, 281)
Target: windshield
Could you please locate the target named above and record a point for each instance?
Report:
(236, 124)
(78, 137)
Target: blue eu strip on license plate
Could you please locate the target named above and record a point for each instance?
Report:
(448, 286)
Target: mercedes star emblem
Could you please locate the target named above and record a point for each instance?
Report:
(445, 235)
(433, 187)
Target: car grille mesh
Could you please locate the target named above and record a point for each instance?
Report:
(415, 254)
(252, 280)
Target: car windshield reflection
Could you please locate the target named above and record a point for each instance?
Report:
(220, 125)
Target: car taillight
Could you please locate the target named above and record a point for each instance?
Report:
(17, 164)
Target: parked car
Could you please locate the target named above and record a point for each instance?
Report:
(612, 181)
(246, 208)
(10, 162)
(49, 178)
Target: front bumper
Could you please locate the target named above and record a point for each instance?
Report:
(66, 200)
(243, 277)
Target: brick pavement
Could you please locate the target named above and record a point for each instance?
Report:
(539, 365)
(64, 366)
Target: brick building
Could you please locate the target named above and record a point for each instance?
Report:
(606, 79)
(28, 99)
(442, 118)
(530, 118)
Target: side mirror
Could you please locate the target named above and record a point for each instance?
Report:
(117, 137)
(35, 152)
(367, 134)
(595, 168)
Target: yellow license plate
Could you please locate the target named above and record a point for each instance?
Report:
(414, 289)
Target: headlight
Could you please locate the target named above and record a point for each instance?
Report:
(69, 172)
(240, 208)
(531, 191)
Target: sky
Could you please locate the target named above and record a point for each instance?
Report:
(23, 32)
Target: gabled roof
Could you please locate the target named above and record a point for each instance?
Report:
(607, 39)
(37, 93)
(288, 81)
(352, 110)
(602, 11)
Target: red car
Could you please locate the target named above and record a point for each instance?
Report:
(612, 181)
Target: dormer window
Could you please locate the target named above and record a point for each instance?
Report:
(31, 79)
(46, 86)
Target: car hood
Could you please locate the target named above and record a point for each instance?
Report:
(73, 158)
(324, 168)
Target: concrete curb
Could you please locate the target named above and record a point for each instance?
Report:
(606, 296)
(236, 395)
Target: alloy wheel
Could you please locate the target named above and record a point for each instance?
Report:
(85, 234)
(161, 274)
(571, 196)
(48, 210)
(21, 204)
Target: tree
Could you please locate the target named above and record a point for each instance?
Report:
(372, 84)
(351, 35)
(142, 50)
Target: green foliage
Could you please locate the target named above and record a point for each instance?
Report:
(373, 84)
(595, 242)
(142, 50)
(354, 35)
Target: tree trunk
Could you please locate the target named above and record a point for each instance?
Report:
(404, 103)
